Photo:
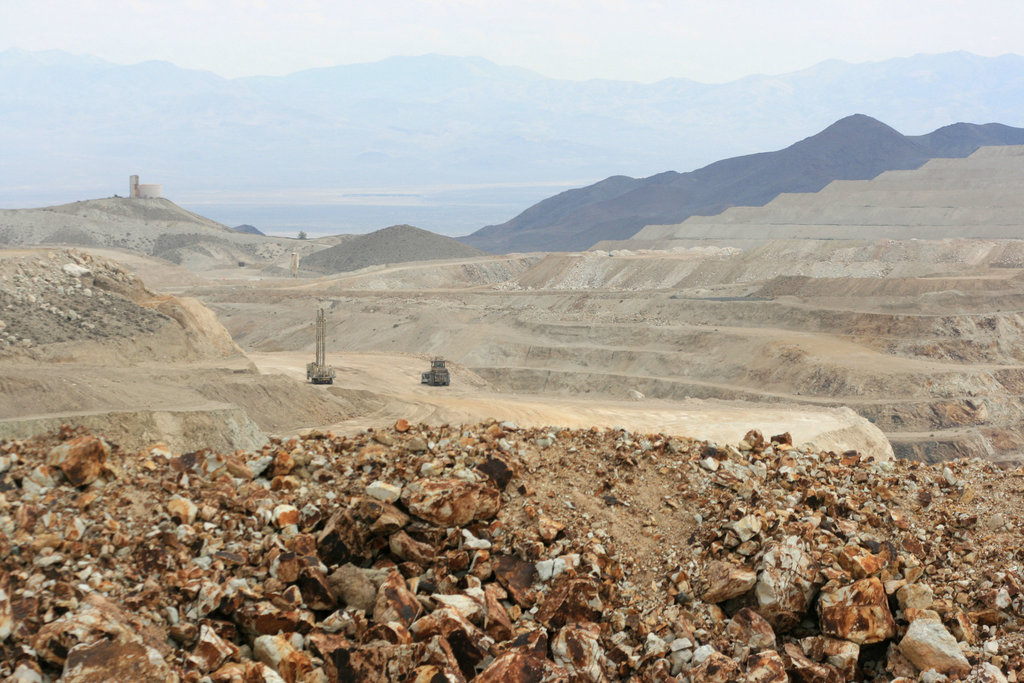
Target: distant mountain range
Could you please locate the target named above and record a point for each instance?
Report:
(73, 127)
(857, 147)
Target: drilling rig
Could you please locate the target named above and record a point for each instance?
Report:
(319, 372)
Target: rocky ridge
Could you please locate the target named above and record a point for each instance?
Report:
(458, 552)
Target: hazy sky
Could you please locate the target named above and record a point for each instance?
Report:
(642, 40)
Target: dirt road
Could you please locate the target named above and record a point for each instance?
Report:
(395, 379)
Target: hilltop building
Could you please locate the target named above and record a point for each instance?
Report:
(147, 191)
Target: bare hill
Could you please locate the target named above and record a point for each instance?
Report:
(856, 147)
(156, 227)
(397, 244)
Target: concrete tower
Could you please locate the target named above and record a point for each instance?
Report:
(137, 191)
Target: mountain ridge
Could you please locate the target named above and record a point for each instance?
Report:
(856, 147)
(74, 126)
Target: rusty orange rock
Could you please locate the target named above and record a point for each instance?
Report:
(861, 563)
(858, 613)
(211, 650)
(726, 581)
(405, 547)
(395, 602)
(520, 667)
(766, 667)
(805, 669)
(785, 583)
(82, 459)
(716, 668)
(451, 502)
(577, 647)
(747, 626)
(571, 600)
(549, 528)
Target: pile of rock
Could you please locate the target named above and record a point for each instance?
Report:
(68, 295)
(445, 554)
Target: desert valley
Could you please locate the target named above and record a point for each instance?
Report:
(777, 441)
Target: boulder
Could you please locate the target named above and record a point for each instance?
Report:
(106, 660)
(383, 491)
(468, 644)
(211, 650)
(749, 627)
(516, 575)
(265, 618)
(858, 613)
(315, 588)
(375, 663)
(841, 654)
(352, 586)
(928, 645)
(726, 581)
(97, 619)
(861, 563)
(285, 515)
(807, 670)
(577, 647)
(451, 502)
(82, 459)
(395, 602)
(715, 668)
(405, 547)
(182, 510)
(390, 520)
(497, 622)
(766, 667)
(549, 528)
(574, 599)
(785, 583)
(516, 666)
(915, 596)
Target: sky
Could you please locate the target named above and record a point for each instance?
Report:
(710, 41)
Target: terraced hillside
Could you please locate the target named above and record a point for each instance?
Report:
(926, 339)
(977, 197)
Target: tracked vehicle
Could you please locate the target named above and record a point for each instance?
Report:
(437, 375)
(319, 372)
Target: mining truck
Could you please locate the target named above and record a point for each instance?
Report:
(437, 375)
(319, 372)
